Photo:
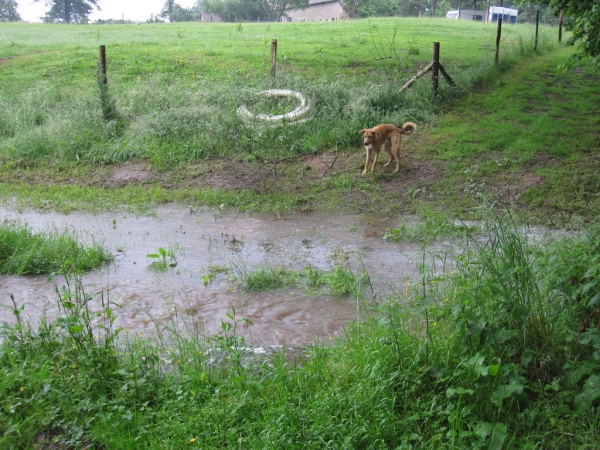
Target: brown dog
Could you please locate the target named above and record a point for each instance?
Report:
(387, 136)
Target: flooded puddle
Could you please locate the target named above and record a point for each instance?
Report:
(148, 300)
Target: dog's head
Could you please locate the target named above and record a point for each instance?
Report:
(370, 135)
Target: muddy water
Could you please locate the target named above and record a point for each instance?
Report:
(146, 300)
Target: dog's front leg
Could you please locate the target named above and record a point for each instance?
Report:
(375, 158)
(368, 148)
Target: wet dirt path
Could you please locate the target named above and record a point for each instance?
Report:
(145, 300)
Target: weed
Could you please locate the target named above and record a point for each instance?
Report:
(164, 260)
(434, 227)
(338, 281)
(107, 104)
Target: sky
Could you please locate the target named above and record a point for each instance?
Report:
(139, 10)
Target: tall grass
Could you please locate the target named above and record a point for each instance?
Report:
(175, 100)
(23, 251)
(485, 352)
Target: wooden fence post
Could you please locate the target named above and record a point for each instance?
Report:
(435, 68)
(273, 56)
(537, 25)
(103, 63)
(498, 34)
(560, 24)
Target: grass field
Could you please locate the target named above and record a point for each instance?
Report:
(177, 87)
(174, 90)
(497, 348)
(66, 55)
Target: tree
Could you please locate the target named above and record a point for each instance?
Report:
(177, 13)
(276, 9)
(67, 11)
(235, 10)
(583, 19)
(197, 8)
(8, 11)
(411, 7)
(368, 8)
(168, 10)
(250, 10)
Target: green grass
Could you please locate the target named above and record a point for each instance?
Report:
(339, 281)
(534, 134)
(485, 351)
(520, 135)
(163, 260)
(173, 90)
(495, 348)
(24, 252)
(218, 51)
(435, 225)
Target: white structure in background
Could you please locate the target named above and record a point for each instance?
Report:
(208, 17)
(316, 10)
(508, 15)
(466, 14)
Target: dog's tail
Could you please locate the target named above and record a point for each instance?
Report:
(409, 128)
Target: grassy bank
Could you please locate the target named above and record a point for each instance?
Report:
(25, 252)
(496, 349)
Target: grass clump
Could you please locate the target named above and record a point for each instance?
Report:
(497, 348)
(340, 281)
(24, 252)
(434, 226)
(337, 281)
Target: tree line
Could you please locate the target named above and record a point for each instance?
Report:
(78, 11)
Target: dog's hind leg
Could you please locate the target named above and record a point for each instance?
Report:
(396, 143)
(387, 146)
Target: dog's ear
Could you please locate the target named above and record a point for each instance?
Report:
(362, 131)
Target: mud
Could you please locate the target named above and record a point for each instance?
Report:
(203, 240)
